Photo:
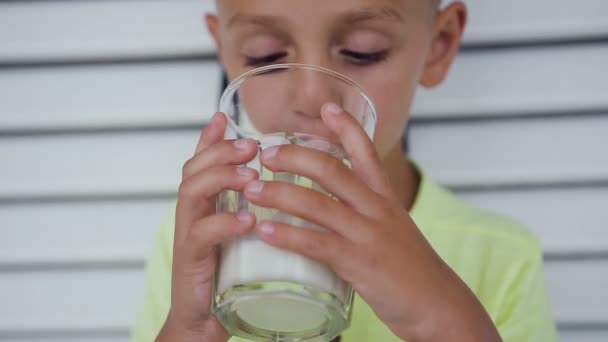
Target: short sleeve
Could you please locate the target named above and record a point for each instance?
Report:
(525, 315)
(154, 308)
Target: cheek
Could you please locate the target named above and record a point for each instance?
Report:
(392, 95)
(254, 103)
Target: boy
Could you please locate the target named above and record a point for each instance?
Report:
(425, 266)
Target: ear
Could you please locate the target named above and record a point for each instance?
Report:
(214, 30)
(447, 37)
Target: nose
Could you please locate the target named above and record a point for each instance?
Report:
(310, 89)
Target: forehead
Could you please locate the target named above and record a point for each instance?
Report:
(235, 11)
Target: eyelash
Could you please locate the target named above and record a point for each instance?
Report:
(264, 60)
(357, 58)
(364, 59)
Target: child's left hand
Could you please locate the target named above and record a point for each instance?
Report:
(372, 242)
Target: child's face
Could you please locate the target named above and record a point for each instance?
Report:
(389, 47)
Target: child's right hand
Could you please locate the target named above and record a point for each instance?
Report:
(199, 230)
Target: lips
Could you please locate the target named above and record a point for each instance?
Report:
(291, 122)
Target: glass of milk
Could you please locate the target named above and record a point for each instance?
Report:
(263, 293)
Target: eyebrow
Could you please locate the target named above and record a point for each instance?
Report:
(261, 20)
(370, 14)
(348, 17)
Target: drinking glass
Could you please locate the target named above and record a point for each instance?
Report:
(263, 293)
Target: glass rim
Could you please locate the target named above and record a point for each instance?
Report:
(228, 93)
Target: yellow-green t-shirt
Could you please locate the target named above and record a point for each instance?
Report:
(498, 259)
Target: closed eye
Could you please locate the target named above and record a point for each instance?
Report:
(264, 60)
(365, 58)
(354, 57)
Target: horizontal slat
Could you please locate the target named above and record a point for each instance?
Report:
(109, 96)
(122, 231)
(578, 336)
(79, 337)
(106, 232)
(59, 30)
(458, 154)
(569, 220)
(520, 81)
(108, 299)
(481, 84)
(523, 20)
(566, 336)
(69, 301)
(142, 163)
(56, 30)
(584, 336)
(577, 290)
(496, 152)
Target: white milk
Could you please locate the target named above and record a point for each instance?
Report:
(249, 260)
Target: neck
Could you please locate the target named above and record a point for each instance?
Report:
(402, 175)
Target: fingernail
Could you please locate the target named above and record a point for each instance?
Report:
(254, 187)
(333, 108)
(266, 228)
(241, 144)
(244, 171)
(244, 217)
(214, 118)
(270, 152)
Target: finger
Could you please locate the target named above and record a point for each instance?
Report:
(360, 149)
(196, 196)
(210, 182)
(213, 132)
(327, 248)
(307, 204)
(329, 172)
(212, 230)
(233, 152)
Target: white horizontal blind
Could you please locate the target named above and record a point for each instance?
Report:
(181, 92)
(520, 128)
(60, 30)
